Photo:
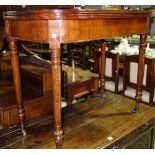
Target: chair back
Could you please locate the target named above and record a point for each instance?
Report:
(134, 73)
(111, 65)
(112, 69)
(130, 74)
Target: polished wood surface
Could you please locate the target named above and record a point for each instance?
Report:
(17, 83)
(67, 26)
(84, 24)
(77, 74)
(88, 125)
(75, 81)
(34, 89)
(142, 49)
(38, 71)
(35, 103)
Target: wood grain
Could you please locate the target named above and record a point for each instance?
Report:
(87, 125)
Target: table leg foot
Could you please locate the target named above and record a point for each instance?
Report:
(69, 103)
(102, 95)
(23, 130)
(135, 108)
(58, 138)
(138, 99)
(99, 95)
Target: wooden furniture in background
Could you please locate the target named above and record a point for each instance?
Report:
(35, 103)
(36, 75)
(78, 53)
(113, 81)
(38, 72)
(130, 78)
(36, 82)
(77, 82)
(95, 60)
(74, 84)
(69, 26)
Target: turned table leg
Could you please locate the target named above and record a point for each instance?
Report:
(142, 49)
(102, 67)
(17, 83)
(56, 83)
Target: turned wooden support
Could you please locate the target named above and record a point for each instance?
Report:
(56, 83)
(117, 72)
(102, 67)
(17, 83)
(142, 49)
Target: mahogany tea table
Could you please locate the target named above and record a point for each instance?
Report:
(69, 26)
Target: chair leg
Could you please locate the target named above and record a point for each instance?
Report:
(69, 95)
(69, 101)
(142, 50)
(151, 98)
(96, 87)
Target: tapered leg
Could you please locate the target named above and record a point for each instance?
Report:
(142, 50)
(56, 82)
(102, 67)
(17, 83)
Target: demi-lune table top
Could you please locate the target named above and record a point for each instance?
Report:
(72, 25)
(68, 26)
